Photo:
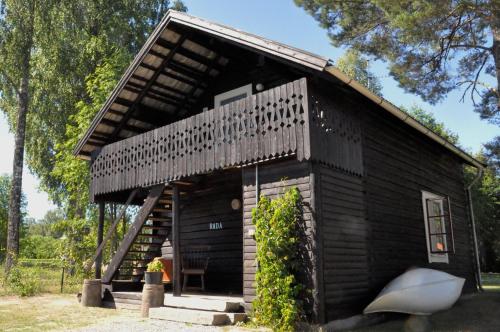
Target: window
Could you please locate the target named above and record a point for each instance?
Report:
(232, 95)
(438, 227)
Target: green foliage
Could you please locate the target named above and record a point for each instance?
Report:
(355, 65)
(428, 120)
(432, 47)
(5, 181)
(38, 247)
(87, 41)
(486, 200)
(67, 169)
(277, 303)
(155, 266)
(78, 242)
(22, 283)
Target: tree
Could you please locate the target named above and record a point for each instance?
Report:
(84, 36)
(20, 24)
(5, 184)
(428, 120)
(432, 47)
(355, 65)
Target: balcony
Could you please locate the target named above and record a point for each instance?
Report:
(291, 119)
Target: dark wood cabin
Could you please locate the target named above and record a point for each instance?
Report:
(207, 118)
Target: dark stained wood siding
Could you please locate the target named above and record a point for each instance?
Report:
(345, 247)
(399, 163)
(212, 203)
(274, 179)
(372, 225)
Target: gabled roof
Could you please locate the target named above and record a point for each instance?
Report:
(167, 76)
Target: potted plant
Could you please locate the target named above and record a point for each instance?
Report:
(154, 273)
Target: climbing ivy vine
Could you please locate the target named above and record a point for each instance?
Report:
(277, 302)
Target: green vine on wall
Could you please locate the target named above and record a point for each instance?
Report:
(277, 302)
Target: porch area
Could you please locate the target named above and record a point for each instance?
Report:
(194, 308)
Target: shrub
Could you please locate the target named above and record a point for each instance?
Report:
(277, 303)
(23, 284)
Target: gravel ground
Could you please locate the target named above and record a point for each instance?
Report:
(136, 324)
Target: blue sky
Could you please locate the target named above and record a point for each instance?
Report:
(281, 20)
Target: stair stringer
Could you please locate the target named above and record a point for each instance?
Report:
(135, 229)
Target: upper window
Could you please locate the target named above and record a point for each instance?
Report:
(232, 95)
(438, 227)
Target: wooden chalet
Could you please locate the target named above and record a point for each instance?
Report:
(207, 118)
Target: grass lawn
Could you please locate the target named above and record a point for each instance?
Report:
(491, 282)
(49, 312)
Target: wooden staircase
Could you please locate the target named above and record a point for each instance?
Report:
(143, 241)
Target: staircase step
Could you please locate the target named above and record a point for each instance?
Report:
(158, 236)
(157, 227)
(118, 296)
(161, 210)
(140, 252)
(197, 303)
(196, 316)
(159, 219)
(147, 244)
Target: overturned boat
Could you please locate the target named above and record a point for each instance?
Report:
(418, 291)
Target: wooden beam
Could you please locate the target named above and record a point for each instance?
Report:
(141, 96)
(100, 232)
(187, 53)
(176, 287)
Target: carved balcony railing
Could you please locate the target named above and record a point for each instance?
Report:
(269, 124)
(291, 119)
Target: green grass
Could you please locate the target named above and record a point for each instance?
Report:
(491, 281)
(47, 278)
(49, 312)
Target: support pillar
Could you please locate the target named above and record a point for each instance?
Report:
(176, 260)
(100, 231)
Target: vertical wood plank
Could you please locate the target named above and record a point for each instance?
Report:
(175, 242)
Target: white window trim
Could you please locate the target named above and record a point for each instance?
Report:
(246, 89)
(433, 258)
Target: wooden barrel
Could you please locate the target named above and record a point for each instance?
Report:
(152, 297)
(91, 293)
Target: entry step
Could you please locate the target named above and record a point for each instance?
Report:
(200, 317)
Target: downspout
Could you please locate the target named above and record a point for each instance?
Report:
(473, 224)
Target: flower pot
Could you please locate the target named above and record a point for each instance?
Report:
(153, 278)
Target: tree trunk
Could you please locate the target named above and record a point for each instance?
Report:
(14, 219)
(496, 56)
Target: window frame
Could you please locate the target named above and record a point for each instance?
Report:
(245, 89)
(435, 257)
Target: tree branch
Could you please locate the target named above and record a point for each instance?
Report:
(472, 46)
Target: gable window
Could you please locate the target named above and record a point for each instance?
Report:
(438, 227)
(232, 95)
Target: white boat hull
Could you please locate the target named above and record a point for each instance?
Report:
(419, 292)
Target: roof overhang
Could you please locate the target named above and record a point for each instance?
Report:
(271, 48)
